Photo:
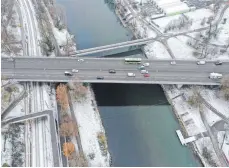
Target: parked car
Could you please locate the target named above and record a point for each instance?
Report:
(173, 63)
(144, 71)
(130, 74)
(100, 77)
(218, 63)
(146, 75)
(81, 60)
(67, 73)
(75, 70)
(201, 63)
(112, 71)
(146, 64)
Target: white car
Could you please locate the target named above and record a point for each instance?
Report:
(201, 62)
(80, 60)
(75, 70)
(130, 74)
(173, 63)
(146, 64)
(144, 71)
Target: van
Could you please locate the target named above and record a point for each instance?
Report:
(200, 62)
(130, 74)
(144, 71)
(214, 75)
(67, 73)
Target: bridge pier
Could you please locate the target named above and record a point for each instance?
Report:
(179, 86)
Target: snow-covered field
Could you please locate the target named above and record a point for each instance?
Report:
(180, 49)
(191, 116)
(14, 95)
(196, 17)
(156, 50)
(90, 124)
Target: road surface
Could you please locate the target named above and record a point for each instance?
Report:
(161, 71)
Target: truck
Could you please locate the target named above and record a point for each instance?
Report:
(214, 75)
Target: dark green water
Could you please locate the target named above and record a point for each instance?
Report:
(139, 133)
(140, 127)
(94, 24)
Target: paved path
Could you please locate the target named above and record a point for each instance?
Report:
(208, 105)
(13, 104)
(214, 141)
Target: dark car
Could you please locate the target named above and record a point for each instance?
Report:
(67, 73)
(112, 71)
(218, 63)
(100, 77)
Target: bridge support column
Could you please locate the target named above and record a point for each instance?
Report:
(179, 86)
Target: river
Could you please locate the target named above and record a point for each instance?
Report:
(139, 122)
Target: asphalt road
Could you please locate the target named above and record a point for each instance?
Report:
(161, 71)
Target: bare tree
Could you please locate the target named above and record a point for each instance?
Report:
(79, 90)
(227, 43)
(68, 128)
(225, 87)
(78, 160)
(62, 97)
(69, 46)
(194, 99)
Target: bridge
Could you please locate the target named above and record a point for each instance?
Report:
(46, 69)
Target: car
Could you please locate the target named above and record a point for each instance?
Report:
(112, 71)
(218, 63)
(141, 67)
(146, 75)
(10, 59)
(81, 60)
(201, 63)
(100, 77)
(146, 64)
(75, 70)
(144, 71)
(173, 63)
(130, 74)
(67, 73)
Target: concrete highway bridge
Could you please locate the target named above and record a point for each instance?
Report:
(46, 69)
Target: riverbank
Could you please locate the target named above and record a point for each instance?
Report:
(86, 112)
(189, 121)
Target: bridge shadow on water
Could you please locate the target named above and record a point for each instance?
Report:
(129, 94)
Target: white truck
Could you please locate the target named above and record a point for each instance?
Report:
(214, 75)
(130, 74)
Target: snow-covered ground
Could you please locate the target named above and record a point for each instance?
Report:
(63, 37)
(180, 48)
(190, 115)
(14, 28)
(6, 146)
(156, 50)
(206, 142)
(196, 17)
(217, 101)
(17, 90)
(223, 36)
(90, 124)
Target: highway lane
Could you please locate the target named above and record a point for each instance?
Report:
(124, 79)
(120, 76)
(98, 69)
(106, 64)
(52, 69)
